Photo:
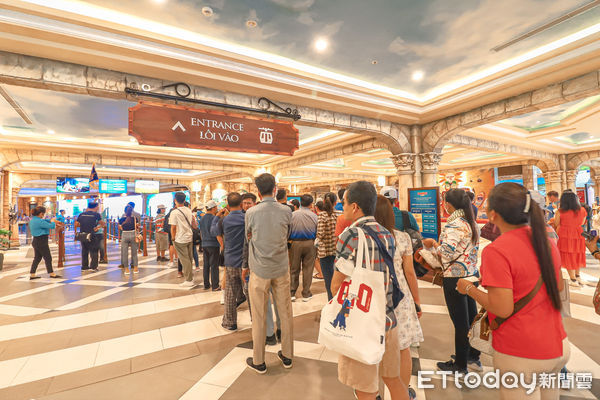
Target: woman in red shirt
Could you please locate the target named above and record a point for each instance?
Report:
(532, 340)
(568, 220)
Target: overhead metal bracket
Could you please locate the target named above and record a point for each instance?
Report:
(183, 90)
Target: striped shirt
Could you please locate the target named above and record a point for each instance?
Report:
(304, 224)
(326, 234)
(346, 255)
(159, 223)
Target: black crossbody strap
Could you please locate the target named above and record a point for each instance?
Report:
(186, 220)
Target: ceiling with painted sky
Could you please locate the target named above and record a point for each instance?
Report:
(403, 44)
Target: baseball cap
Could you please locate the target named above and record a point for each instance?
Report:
(389, 192)
(158, 207)
(538, 198)
(210, 204)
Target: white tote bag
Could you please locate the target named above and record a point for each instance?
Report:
(353, 322)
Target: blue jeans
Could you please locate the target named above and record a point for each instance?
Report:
(327, 270)
(195, 255)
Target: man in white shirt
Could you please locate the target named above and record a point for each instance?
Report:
(182, 221)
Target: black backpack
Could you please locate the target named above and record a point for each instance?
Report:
(417, 242)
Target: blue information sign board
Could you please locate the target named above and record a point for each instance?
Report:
(113, 186)
(424, 204)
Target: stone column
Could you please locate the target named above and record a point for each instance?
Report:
(405, 167)
(528, 180)
(571, 177)
(415, 142)
(5, 199)
(14, 238)
(429, 168)
(562, 160)
(553, 181)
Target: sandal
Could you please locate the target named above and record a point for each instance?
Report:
(316, 276)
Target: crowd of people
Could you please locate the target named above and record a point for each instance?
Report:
(262, 250)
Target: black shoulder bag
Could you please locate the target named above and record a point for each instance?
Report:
(196, 238)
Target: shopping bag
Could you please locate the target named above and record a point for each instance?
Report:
(353, 322)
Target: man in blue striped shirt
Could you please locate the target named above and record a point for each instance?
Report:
(303, 251)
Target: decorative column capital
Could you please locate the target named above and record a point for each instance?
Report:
(430, 161)
(571, 175)
(404, 163)
(553, 176)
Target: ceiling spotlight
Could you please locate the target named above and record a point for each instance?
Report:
(417, 75)
(207, 11)
(538, 122)
(251, 23)
(50, 132)
(374, 62)
(321, 45)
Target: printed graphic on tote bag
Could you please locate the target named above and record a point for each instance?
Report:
(340, 320)
(347, 302)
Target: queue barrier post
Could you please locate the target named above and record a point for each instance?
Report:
(61, 247)
(145, 241)
(105, 247)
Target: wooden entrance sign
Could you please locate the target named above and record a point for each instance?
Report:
(177, 126)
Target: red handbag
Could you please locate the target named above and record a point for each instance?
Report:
(490, 232)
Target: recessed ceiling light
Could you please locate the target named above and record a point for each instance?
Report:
(207, 11)
(321, 45)
(251, 23)
(538, 122)
(417, 76)
(50, 132)
(374, 62)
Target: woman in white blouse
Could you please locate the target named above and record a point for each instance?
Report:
(457, 250)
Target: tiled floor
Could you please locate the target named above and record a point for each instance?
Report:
(108, 335)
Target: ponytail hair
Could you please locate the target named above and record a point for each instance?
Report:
(514, 204)
(459, 199)
(329, 203)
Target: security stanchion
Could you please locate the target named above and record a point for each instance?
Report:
(145, 241)
(61, 247)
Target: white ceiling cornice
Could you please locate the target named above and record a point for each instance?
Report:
(87, 34)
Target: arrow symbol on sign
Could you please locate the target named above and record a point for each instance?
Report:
(178, 125)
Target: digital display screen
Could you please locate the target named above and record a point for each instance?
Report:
(147, 186)
(113, 186)
(72, 185)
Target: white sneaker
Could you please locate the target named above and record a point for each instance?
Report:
(574, 284)
(171, 264)
(306, 299)
(293, 298)
(187, 284)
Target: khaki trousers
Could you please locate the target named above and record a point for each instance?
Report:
(185, 251)
(303, 256)
(258, 289)
(528, 366)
